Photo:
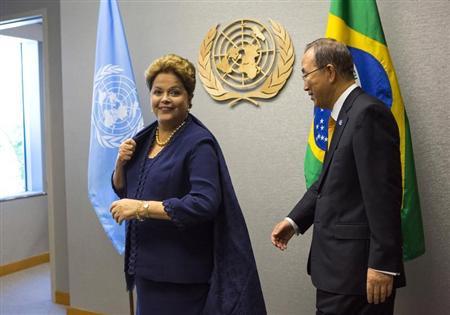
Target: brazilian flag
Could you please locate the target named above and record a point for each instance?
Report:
(357, 24)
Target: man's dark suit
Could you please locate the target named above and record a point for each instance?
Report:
(355, 204)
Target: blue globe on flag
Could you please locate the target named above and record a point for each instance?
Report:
(116, 111)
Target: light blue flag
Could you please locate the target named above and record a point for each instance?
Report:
(116, 115)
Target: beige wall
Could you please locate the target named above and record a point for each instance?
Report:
(23, 228)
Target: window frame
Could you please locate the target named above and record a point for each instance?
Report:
(33, 129)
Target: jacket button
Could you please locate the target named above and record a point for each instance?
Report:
(319, 196)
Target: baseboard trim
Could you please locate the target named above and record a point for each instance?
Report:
(79, 311)
(24, 264)
(62, 298)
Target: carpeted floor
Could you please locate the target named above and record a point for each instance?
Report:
(27, 292)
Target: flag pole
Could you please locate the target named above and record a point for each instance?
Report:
(131, 301)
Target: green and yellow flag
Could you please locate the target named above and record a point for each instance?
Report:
(357, 24)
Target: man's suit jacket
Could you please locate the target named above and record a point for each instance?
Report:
(355, 204)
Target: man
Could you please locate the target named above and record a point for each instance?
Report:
(355, 260)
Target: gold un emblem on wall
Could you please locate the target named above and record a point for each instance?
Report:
(243, 62)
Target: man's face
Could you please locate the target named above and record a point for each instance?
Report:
(315, 81)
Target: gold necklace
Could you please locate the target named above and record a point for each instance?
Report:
(164, 143)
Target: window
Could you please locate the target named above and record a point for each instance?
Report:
(21, 167)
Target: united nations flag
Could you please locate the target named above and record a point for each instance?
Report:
(116, 115)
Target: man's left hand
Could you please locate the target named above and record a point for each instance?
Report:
(379, 286)
(281, 234)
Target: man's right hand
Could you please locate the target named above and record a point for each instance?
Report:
(281, 234)
(126, 151)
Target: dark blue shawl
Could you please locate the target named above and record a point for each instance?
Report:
(235, 287)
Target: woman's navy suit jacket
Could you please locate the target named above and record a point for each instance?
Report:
(206, 240)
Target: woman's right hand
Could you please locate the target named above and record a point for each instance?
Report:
(126, 151)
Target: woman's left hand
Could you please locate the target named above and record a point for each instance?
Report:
(124, 209)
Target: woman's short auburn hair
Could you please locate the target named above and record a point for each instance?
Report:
(181, 67)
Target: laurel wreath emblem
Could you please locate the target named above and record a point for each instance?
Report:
(271, 86)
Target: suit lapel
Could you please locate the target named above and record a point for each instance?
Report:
(339, 129)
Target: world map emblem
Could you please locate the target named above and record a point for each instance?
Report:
(245, 61)
(116, 111)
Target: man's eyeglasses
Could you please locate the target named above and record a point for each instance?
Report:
(305, 75)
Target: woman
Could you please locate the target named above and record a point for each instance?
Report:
(187, 246)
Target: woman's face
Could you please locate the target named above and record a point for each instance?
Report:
(169, 99)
